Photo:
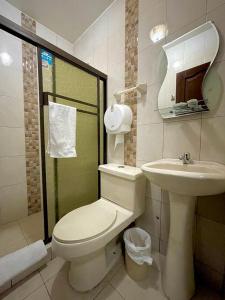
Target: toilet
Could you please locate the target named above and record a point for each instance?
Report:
(81, 237)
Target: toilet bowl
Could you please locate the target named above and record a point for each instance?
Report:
(81, 237)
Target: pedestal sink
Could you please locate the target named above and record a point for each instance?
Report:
(184, 182)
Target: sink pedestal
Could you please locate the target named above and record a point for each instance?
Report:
(184, 182)
(178, 275)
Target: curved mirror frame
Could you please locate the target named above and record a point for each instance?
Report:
(189, 59)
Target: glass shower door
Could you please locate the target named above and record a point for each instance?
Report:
(75, 180)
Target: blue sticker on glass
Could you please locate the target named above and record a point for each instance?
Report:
(47, 58)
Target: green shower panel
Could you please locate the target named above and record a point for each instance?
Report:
(77, 178)
(75, 83)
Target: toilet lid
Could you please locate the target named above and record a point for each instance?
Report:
(85, 222)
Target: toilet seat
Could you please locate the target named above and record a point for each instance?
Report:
(85, 223)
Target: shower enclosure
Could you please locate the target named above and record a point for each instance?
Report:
(35, 189)
(73, 182)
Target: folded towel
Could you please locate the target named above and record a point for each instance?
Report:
(19, 261)
(62, 131)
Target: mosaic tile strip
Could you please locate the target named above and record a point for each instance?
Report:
(131, 68)
(31, 119)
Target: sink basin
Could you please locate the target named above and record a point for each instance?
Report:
(184, 183)
(199, 178)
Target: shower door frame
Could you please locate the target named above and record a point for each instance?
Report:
(41, 44)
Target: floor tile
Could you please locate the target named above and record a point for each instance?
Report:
(10, 232)
(53, 284)
(40, 294)
(25, 288)
(32, 227)
(108, 293)
(115, 269)
(16, 235)
(52, 268)
(59, 288)
(12, 245)
(146, 289)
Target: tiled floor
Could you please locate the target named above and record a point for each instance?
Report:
(51, 283)
(16, 235)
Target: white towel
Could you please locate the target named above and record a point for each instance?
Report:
(19, 261)
(62, 131)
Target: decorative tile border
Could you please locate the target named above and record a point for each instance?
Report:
(31, 119)
(131, 68)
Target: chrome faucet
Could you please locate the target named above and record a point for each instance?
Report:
(186, 158)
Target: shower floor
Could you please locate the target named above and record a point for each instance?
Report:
(18, 234)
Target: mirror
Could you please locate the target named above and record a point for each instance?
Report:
(189, 58)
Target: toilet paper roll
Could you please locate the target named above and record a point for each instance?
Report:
(119, 140)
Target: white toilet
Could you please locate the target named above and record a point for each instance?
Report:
(82, 235)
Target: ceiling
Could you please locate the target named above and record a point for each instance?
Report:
(68, 18)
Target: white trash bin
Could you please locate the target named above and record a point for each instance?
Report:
(138, 253)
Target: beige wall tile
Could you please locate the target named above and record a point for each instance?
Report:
(151, 65)
(139, 163)
(210, 244)
(151, 13)
(64, 44)
(147, 106)
(180, 137)
(212, 208)
(149, 142)
(150, 220)
(12, 141)
(212, 4)
(10, 12)
(12, 111)
(207, 275)
(213, 139)
(46, 33)
(13, 203)
(181, 12)
(116, 14)
(115, 155)
(217, 16)
(12, 170)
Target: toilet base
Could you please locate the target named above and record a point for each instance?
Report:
(87, 272)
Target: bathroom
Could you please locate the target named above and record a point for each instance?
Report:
(118, 45)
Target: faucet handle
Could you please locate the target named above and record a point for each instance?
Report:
(186, 157)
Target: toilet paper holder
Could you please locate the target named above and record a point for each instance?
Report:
(141, 88)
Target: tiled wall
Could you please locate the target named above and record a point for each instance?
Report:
(13, 194)
(131, 66)
(31, 119)
(103, 46)
(202, 135)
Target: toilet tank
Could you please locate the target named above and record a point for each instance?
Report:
(124, 185)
